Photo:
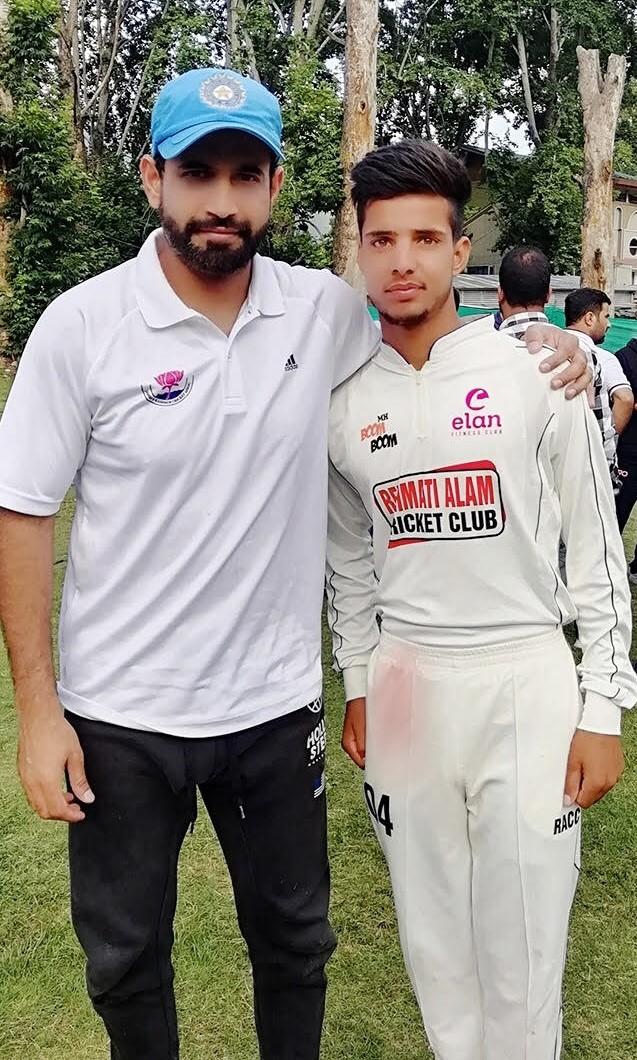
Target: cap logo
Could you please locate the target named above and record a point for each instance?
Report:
(222, 90)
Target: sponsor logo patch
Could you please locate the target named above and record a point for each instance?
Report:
(168, 388)
(477, 417)
(378, 435)
(446, 504)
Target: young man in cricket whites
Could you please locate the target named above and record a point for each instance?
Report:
(454, 471)
(186, 393)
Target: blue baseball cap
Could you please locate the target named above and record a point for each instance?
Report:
(201, 102)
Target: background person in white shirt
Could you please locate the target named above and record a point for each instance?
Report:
(454, 471)
(186, 394)
(587, 313)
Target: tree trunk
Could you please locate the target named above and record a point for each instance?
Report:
(487, 113)
(359, 123)
(68, 63)
(551, 110)
(6, 107)
(232, 40)
(314, 18)
(6, 103)
(109, 40)
(526, 86)
(601, 100)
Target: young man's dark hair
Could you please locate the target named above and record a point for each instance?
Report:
(411, 167)
(586, 300)
(525, 277)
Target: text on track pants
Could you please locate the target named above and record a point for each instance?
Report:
(264, 792)
(466, 757)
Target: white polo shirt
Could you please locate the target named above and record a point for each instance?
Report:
(192, 598)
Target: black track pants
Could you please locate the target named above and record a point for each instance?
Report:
(264, 792)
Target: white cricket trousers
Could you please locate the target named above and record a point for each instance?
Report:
(465, 766)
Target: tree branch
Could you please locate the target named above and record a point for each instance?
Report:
(111, 63)
(316, 10)
(555, 49)
(334, 21)
(401, 68)
(283, 25)
(334, 36)
(297, 16)
(247, 39)
(140, 87)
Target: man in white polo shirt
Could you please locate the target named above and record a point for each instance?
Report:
(186, 394)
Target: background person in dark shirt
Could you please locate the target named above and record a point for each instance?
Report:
(627, 451)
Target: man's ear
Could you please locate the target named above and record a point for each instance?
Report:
(461, 252)
(151, 180)
(277, 181)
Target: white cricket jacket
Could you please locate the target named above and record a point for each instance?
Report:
(449, 491)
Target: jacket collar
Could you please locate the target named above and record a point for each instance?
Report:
(390, 359)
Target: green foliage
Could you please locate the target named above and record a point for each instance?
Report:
(312, 117)
(74, 198)
(26, 51)
(67, 223)
(72, 218)
(539, 201)
(626, 144)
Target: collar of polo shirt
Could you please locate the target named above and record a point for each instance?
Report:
(161, 307)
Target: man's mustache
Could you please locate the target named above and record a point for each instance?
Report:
(194, 227)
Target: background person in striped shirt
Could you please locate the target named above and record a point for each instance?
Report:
(588, 315)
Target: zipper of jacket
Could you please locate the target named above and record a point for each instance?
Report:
(421, 424)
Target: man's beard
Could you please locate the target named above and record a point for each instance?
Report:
(413, 320)
(407, 322)
(212, 261)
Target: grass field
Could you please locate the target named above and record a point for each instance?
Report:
(371, 1014)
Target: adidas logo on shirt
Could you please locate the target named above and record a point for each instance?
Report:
(290, 364)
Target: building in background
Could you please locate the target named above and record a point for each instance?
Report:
(482, 221)
(625, 227)
(482, 226)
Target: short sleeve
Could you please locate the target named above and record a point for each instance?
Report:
(356, 337)
(46, 423)
(613, 375)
